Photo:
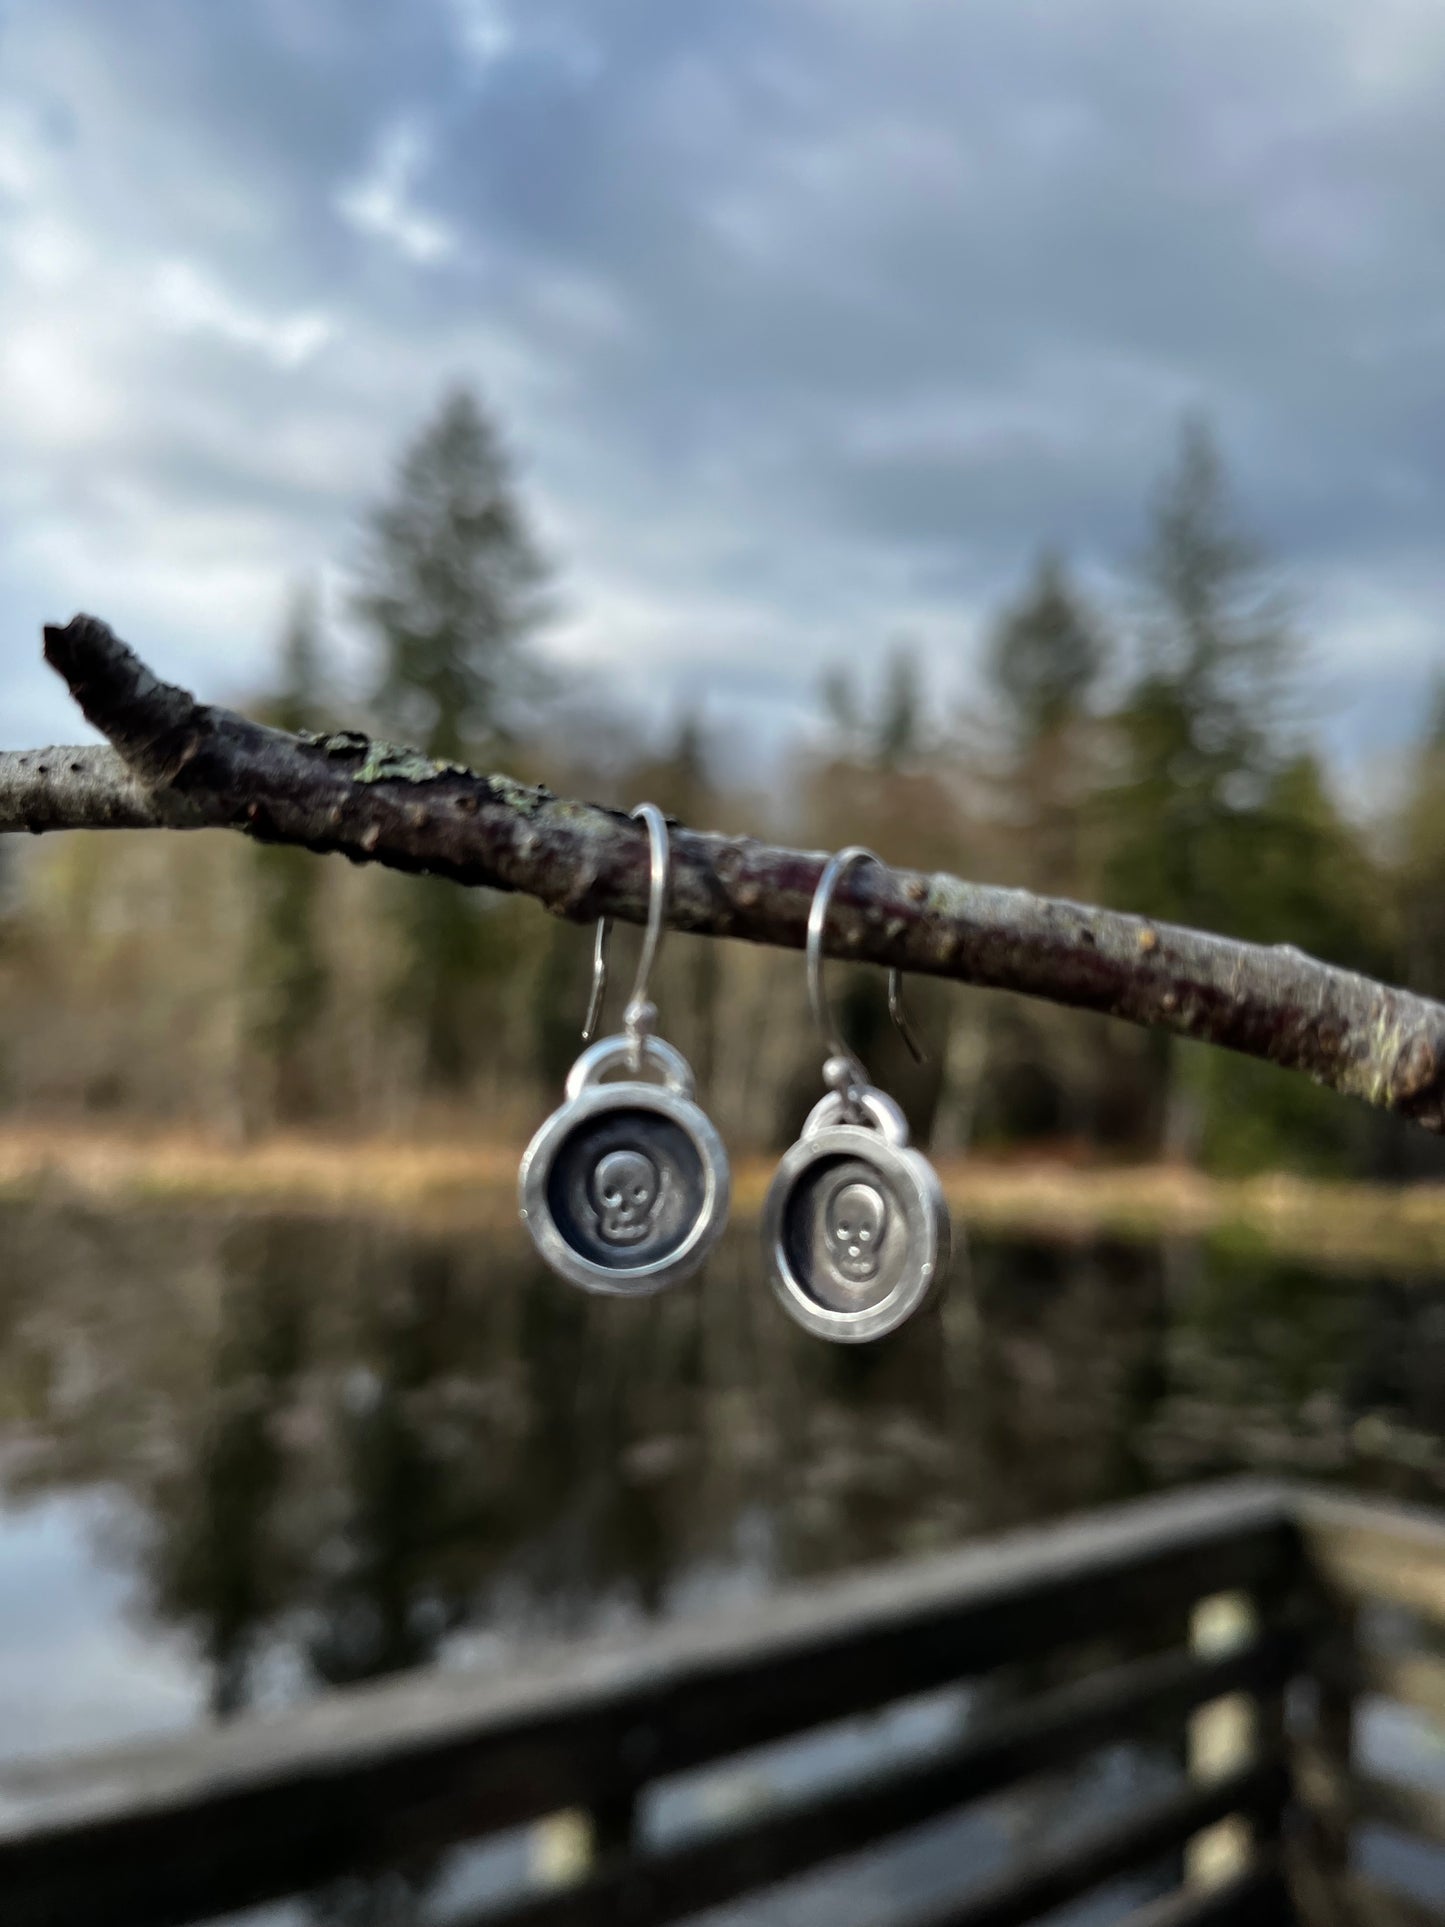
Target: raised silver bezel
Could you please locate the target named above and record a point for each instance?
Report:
(912, 1179)
(587, 1099)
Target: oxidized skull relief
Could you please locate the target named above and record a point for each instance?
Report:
(623, 1184)
(854, 1221)
(854, 1225)
(626, 1193)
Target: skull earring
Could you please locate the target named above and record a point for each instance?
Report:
(855, 1226)
(625, 1187)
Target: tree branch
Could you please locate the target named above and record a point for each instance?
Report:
(176, 763)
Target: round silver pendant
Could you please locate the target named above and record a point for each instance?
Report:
(855, 1226)
(625, 1187)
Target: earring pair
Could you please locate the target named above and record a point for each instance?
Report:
(625, 1188)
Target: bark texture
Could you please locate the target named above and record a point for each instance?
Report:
(176, 763)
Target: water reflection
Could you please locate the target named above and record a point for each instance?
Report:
(285, 1454)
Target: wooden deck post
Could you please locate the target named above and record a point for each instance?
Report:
(569, 1845)
(1223, 1736)
(1327, 1767)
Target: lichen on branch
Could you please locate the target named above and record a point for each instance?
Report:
(177, 763)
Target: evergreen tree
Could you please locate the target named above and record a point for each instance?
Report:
(287, 978)
(1044, 660)
(451, 588)
(300, 691)
(1417, 905)
(885, 733)
(1326, 894)
(1205, 727)
(898, 734)
(1045, 656)
(840, 708)
(1422, 858)
(1222, 820)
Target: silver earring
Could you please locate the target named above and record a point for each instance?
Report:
(625, 1188)
(855, 1227)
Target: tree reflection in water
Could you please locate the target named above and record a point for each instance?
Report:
(330, 1451)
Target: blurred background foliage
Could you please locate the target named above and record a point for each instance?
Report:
(1160, 754)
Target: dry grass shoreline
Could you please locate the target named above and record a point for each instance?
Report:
(450, 1179)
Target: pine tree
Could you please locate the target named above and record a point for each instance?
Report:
(1222, 820)
(840, 709)
(1421, 867)
(1205, 727)
(301, 686)
(883, 733)
(451, 588)
(1036, 744)
(1045, 657)
(287, 977)
(898, 735)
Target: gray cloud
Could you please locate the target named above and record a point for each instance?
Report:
(809, 321)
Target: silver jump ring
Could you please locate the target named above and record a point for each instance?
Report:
(625, 1187)
(855, 1226)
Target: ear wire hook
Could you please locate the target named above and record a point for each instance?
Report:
(834, 871)
(640, 1015)
(599, 980)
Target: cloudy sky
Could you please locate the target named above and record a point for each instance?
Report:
(808, 320)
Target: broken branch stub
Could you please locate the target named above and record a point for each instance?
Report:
(176, 763)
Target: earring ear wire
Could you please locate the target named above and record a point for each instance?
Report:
(625, 1187)
(855, 1227)
(832, 874)
(640, 1015)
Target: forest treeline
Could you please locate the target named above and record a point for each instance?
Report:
(1159, 753)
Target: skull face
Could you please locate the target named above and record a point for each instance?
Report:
(854, 1221)
(626, 1191)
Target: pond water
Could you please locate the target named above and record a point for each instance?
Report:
(245, 1459)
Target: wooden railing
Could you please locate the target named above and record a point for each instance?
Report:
(1378, 1641)
(1039, 1651)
